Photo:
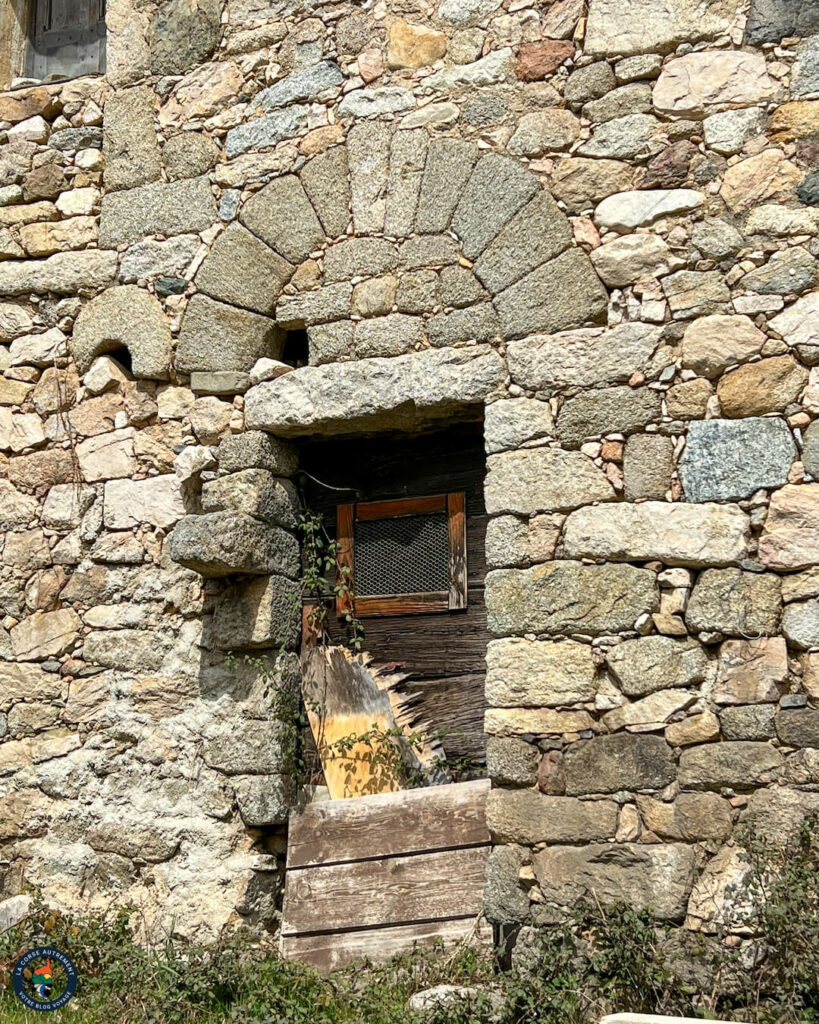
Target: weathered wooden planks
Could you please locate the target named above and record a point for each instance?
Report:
(390, 890)
(344, 700)
(459, 706)
(370, 876)
(412, 821)
(435, 646)
(331, 952)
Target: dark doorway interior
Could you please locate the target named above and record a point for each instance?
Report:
(444, 652)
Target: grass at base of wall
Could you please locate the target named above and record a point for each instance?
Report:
(607, 959)
(239, 980)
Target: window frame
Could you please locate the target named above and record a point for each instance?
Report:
(453, 599)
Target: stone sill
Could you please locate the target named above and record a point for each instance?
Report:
(33, 83)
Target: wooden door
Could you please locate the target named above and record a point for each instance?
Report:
(66, 39)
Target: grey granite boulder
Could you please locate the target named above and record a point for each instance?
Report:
(543, 480)
(528, 816)
(736, 603)
(725, 460)
(256, 450)
(798, 727)
(326, 180)
(217, 336)
(607, 764)
(770, 21)
(256, 492)
(222, 543)
(301, 85)
(561, 294)
(242, 270)
(262, 132)
(264, 800)
(189, 155)
(447, 170)
(64, 273)
(368, 154)
(806, 70)
(160, 208)
(536, 234)
(800, 624)
(129, 141)
(497, 189)
(619, 410)
(261, 612)
(653, 663)
(504, 899)
(740, 764)
(568, 597)
(660, 876)
(281, 215)
(183, 33)
(587, 357)
(397, 393)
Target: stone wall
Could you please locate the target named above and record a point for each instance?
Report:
(600, 224)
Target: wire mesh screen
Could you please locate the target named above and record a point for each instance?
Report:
(402, 555)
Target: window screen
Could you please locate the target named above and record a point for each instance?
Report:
(403, 557)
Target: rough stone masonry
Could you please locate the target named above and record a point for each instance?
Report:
(599, 222)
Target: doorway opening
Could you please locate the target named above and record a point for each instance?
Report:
(408, 515)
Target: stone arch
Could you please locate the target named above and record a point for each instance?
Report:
(124, 317)
(389, 202)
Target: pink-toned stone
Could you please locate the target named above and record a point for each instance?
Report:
(751, 671)
(790, 539)
(537, 60)
(761, 178)
(562, 18)
(703, 83)
(713, 343)
(203, 93)
(45, 634)
(551, 776)
(19, 106)
(370, 65)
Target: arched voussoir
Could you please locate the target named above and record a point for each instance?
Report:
(395, 241)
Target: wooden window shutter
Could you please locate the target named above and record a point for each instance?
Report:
(66, 38)
(403, 557)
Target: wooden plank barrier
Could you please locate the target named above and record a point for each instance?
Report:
(373, 875)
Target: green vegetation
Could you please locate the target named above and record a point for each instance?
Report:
(608, 959)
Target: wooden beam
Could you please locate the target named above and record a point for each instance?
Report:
(345, 534)
(411, 821)
(401, 604)
(427, 645)
(457, 551)
(390, 509)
